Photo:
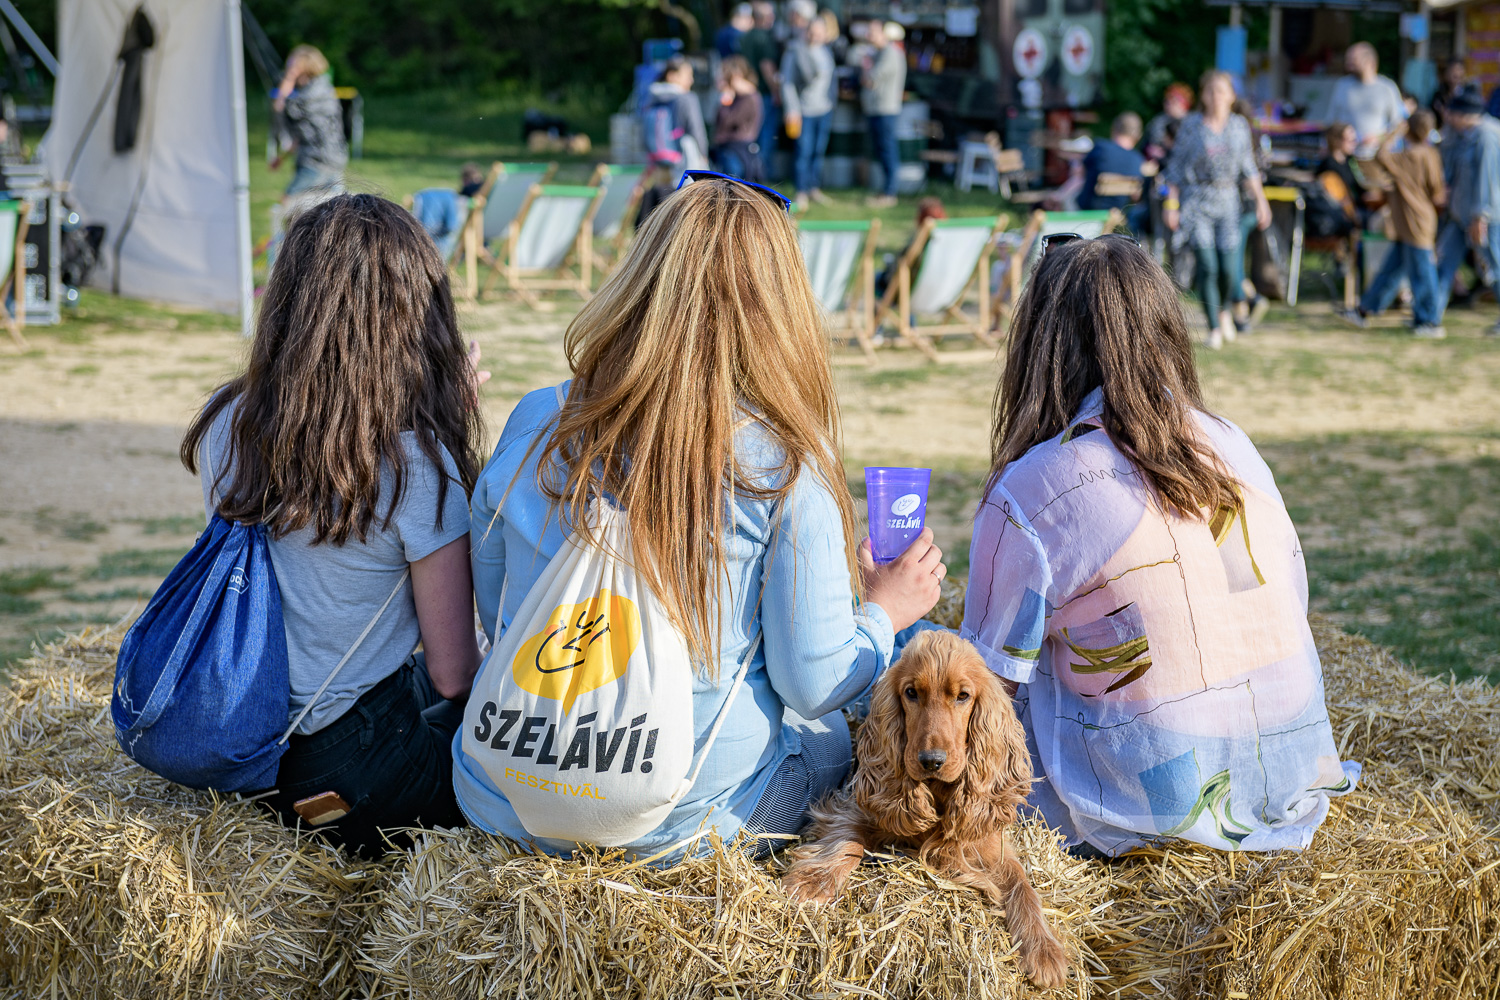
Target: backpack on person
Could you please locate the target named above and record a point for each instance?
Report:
(661, 132)
(582, 713)
(202, 687)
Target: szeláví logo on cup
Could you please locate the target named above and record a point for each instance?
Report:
(904, 505)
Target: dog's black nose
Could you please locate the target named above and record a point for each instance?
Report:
(932, 759)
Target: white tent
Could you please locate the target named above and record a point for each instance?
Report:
(176, 206)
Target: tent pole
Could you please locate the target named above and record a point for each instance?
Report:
(236, 61)
(32, 38)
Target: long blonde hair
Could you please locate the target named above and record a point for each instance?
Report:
(708, 320)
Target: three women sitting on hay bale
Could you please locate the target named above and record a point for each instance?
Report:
(678, 508)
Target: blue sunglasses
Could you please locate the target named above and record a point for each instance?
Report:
(689, 176)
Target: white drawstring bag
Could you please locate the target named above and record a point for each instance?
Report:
(582, 713)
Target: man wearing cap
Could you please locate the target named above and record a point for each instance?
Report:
(1472, 163)
(882, 84)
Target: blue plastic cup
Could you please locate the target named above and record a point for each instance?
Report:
(896, 501)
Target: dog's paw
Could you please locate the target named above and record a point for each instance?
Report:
(1046, 963)
(811, 884)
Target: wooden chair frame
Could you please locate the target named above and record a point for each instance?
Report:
(472, 242)
(899, 293)
(524, 283)
(859, 309)
(15, 280)
(614, 248)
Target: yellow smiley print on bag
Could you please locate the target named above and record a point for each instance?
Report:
(582, 647)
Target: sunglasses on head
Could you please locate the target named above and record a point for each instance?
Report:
(689, 176)
(1052, 240)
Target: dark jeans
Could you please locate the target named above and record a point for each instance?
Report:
(769, 127)
(811, 145)
(887, 149)
(390, 757)
(1237, 278)
(803, 779)
(1215, 281)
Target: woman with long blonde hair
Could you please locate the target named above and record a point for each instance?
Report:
(702, 404)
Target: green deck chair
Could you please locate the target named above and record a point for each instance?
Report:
(13, 225)
(614, 223)
(949, 256)
(840, 258)
(493, 210)
(551, 245)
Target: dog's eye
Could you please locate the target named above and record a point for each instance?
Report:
(963, 696)
(910, 692)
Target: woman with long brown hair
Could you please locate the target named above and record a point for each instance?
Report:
(352, 437)
(1135, 572)
(702, 405)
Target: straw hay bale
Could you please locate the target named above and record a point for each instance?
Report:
(115, 883)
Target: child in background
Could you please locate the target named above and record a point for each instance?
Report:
(470, 180)
(1417, 193)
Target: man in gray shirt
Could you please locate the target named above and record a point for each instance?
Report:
(1365, 99)
(807, 97)
(882, 84)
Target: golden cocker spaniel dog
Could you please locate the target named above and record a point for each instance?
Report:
(942, 768)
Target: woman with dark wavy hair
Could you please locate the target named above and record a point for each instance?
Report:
(1134, 571)
(352, 437)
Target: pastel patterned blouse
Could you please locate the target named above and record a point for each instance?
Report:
(1170, 685)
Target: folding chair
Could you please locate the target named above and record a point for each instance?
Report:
(554, 229)
(14, 221)
(831, 250)
(623, 186)
(495, 206)
(1042, 223)
(952, 254)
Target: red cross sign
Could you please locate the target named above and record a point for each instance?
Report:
(1077, 50)
(1029, 53)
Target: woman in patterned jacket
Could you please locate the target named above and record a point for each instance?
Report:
(1135, 574)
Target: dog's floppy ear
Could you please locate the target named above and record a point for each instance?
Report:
(998, 776)
(882, 788)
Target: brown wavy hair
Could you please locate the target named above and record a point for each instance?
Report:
(710, 318)
(1103, 313)
(357, 341)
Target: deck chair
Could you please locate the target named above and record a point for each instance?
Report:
(839, 254)
(14, 221)
(551, 245)
(613, 223)
(1029, 250)
(495, 206)
(951, 254)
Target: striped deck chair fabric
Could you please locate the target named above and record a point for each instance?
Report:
(551, 246)
(840, 264)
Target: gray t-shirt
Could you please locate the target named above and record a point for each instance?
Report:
(1372, 108)
(330, 592)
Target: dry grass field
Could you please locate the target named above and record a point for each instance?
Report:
(1386, 449)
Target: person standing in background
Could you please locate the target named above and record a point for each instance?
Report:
(1211, 163)
(737, 125)
(315, 120)
(1417, 192)
(1365, 99)
(763, 52)
(731, 36)
(807, 97)
(1473, 169)
(672, 122)
(882, 84)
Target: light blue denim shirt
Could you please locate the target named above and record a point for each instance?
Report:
(1474, 173)
(817, 654)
